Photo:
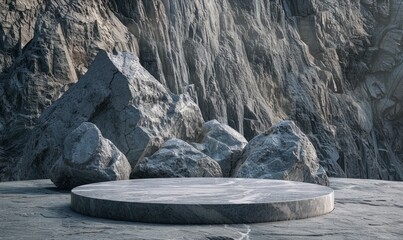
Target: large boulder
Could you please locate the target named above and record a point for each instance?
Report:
(177, 159)
(223, 144)
(130, 107)
(283, 152)
(88, 157)
(45, 47)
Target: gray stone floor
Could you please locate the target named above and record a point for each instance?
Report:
(365, 209)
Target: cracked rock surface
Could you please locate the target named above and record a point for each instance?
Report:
(88, 157)
(333, 67)
(45, 46)
(129, 107)
(283, 152)
(177, 158)
(223, 144)
(364, 209)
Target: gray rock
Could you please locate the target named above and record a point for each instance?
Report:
(177, 158)
(88, 157)
(283, 152)
(44, 45)
(248, 63)
(131, 108)
(256, 62)
(223, 144)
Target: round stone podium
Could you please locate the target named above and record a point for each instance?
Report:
(202, 200)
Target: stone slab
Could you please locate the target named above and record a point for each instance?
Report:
(202, 200)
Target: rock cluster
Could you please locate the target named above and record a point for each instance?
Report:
(177, 158)
(333, 67)
(128, 106)
(118, 117)
(45, 47)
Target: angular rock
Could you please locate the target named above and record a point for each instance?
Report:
(177, 158)
(283, 152)
(256, 62)
(45, 47)
(130, 107)
(88, 157)
(223, 144)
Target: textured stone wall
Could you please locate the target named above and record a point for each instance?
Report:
(334, 67)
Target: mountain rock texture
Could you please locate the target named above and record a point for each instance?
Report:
(283, 152)
(45, 46)
(223, 144)
(177, 158)
(88, 157)
(129, 107)
(333, 67)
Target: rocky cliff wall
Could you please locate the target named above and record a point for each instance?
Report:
(334, 67)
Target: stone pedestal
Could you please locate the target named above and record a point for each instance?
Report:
(202, 200)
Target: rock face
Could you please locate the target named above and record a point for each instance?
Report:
(125, 102)
(334, 67)
(45, 46)
(88, 157)
(283, 152)
(256, 62)
(177, 158)
(223, 144)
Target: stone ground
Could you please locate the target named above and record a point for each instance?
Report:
(365, 209)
